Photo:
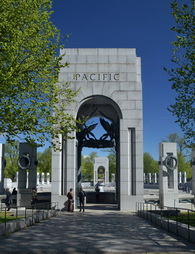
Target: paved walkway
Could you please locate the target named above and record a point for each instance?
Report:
(95, 231)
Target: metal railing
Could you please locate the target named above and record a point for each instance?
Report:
(163, 217)
(36, 213)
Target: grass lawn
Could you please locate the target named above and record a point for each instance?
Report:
(9, 216)
(183, 218)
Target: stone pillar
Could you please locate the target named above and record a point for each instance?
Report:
(184, 177)
(48, 178)
(38, 175)
(113, 179)
(193, 174)
(149, 177)
(179, 177)
(155, 177)
(42, 178)
(27, 163)
(2, 162)
(168, 175)
(27, 179)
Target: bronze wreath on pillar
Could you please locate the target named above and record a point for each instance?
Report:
(24, 162)
(170, 162)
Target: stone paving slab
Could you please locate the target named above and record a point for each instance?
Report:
(95, 231)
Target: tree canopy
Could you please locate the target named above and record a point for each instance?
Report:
(11, 158)
(32, 101)
(150, 165)
(182, 77)
(184, 166)
(88, 165)
(174, 137)
(44, 161)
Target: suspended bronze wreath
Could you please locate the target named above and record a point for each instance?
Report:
(170, 162)
(24, 162)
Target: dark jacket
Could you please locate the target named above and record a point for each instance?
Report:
(81, 195)
(8, 197)
(70, 195)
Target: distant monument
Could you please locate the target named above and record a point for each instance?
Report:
(101, 170)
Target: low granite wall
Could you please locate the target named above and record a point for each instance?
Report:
(37, 216)
(101, 197)
(174, 227)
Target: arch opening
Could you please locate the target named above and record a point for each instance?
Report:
(99, 137)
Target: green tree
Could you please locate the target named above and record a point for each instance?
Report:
(182, 76)
(87, 165)
(44, 161)
(32, 101)
(181, 142)
(11, 157)
(182, 147)
(184, 166)
(150, 165)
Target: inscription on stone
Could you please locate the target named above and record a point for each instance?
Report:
(96, 76)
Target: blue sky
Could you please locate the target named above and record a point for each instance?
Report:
(141, 24)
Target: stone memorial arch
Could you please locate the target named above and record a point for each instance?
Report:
(101, 167)
(110, 86)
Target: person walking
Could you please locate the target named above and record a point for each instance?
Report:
(82, 196)
(70, 197)
(8, 198)
(97, 194)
